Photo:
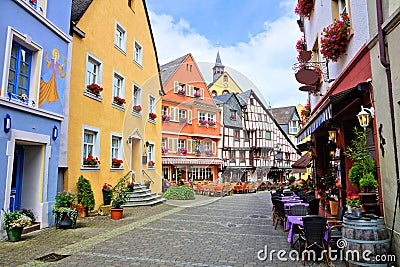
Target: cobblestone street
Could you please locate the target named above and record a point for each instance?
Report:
(225, 231)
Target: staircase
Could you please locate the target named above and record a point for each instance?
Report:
(141, 196)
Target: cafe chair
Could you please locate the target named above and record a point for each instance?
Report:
(314, 233)
(313, 208)
(281, 216)
(298, 210)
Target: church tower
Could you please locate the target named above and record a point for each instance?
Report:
(218, 68)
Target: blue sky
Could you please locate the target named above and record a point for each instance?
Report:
(256, 38)
(210, 18)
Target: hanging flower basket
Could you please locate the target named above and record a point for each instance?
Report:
(304, 8)
(335, 38)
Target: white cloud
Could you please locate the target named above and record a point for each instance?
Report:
(266, 59)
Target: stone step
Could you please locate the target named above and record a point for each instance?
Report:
(147, 202)
(141, 194)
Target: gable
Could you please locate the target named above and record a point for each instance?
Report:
(221, 85)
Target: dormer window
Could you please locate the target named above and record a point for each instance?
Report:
(233, 115)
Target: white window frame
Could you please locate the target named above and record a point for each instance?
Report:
(181, 143)
(36, 63)
(96, 146)
(137, 99)
(120, 148)
(98, 74)
(120, 37)
(152, 104)
(138, 53)
(164, 110)
(151, 154)
(41, 6)
(122, 88)
(293, 127)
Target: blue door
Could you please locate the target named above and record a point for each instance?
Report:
(16, 185)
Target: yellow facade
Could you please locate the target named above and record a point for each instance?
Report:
(225, 83)
(135, 130)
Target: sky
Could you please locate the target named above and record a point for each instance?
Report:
(256, 40)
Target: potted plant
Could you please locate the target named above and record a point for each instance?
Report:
(152, 116)
(94, 89)
(116, 163)
(119, 197)
(91, 161)
(183, 150)
(137, 108)
(119, 101)
(353, 203)
(85, 196)
(107, 193)
(14, 222)
(147, 183)
(335, 37)
(65, 214)
(304, 8)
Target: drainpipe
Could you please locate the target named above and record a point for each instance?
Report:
(385, 63)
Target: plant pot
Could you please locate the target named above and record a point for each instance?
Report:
(305, 55)
(65, 219)
(82, 213)
(14, 234)
(356, 212)
(107, 194)
(334, 205)
(116, 213)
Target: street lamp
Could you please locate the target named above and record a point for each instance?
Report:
(364, 116)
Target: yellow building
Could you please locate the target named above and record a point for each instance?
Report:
(115, 102)
(222, 83)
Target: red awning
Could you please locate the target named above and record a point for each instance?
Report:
(191, 161)
(302, 162)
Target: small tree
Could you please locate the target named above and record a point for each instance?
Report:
(364, 167)
(85, 193)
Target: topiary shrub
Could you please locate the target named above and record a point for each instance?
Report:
(179, 193)
(85, 193)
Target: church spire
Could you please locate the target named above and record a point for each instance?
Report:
(218, 68)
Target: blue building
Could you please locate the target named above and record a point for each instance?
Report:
(34, 85)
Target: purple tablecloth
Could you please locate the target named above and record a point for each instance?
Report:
(290, 198)
(287, 206)
(291, 221)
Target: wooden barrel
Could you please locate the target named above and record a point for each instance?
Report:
(362, 235)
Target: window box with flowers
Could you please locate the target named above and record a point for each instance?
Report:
(137, 108)
(182, 92)
(304, 8)
(198, 153)
(165, 117)
(116, 163)
(197, 94)
(94, 89)
(203, 122)
(119, 101)
(91, 162)
(151, 164)
(164, 150)
(152, 116)
(212, 124)
(335, 38)
(209, 153)
(182, 150)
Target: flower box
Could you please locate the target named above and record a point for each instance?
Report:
(94, 89)
(182, 150)
(203, 122)
(164, 150)
(137, 108)
(165, 117)
(119, 101)
(116, 163)
(197, 94)
(151, 164)
(91, 161)
(152, 116)
(335, 38)
(183, 120)
(182, 92)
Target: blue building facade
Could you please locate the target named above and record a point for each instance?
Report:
(34, 85)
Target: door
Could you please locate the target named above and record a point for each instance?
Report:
(16, 184)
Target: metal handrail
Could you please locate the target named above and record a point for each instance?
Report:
(144, 172)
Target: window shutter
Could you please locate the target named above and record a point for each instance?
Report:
(202, 93)
(190, 146)
(173, 113)
(170, 145)
(189, 116)
(188, 87)
(214, 148)
(176, 87)
(175, 144)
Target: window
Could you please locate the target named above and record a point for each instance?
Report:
(38, 5)
(164, 148)
(152, 104)
(182, 115)
(90, 144)
(202, 116)
(136, 99)
(116, 147)
(242, 156)
(268, 135)
(138, 53)
(225, 92)
(164, 110)
(172, 144)
(233, 114)
(19, 72)
(246, 116)
(93, 70)
(118, 88)
(120, 37)
(202, 174)
(293, 127)
(225, 78)
(236, 134)
(260, 134)
(232, 155)
(211, 117)
(150, 155)
(181, 144)
(214, 93)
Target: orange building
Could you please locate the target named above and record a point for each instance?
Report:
(191, 129)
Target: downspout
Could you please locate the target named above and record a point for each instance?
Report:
(386, 64)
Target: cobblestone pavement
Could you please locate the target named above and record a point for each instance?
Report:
(226, 231)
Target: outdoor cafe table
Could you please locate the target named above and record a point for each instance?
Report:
(290, 198)
(292, 221)
(288, 206)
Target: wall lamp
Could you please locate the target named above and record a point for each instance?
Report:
(129, 140)
(364, 116)
(332, 135)
(55, 133)
(7, 123)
